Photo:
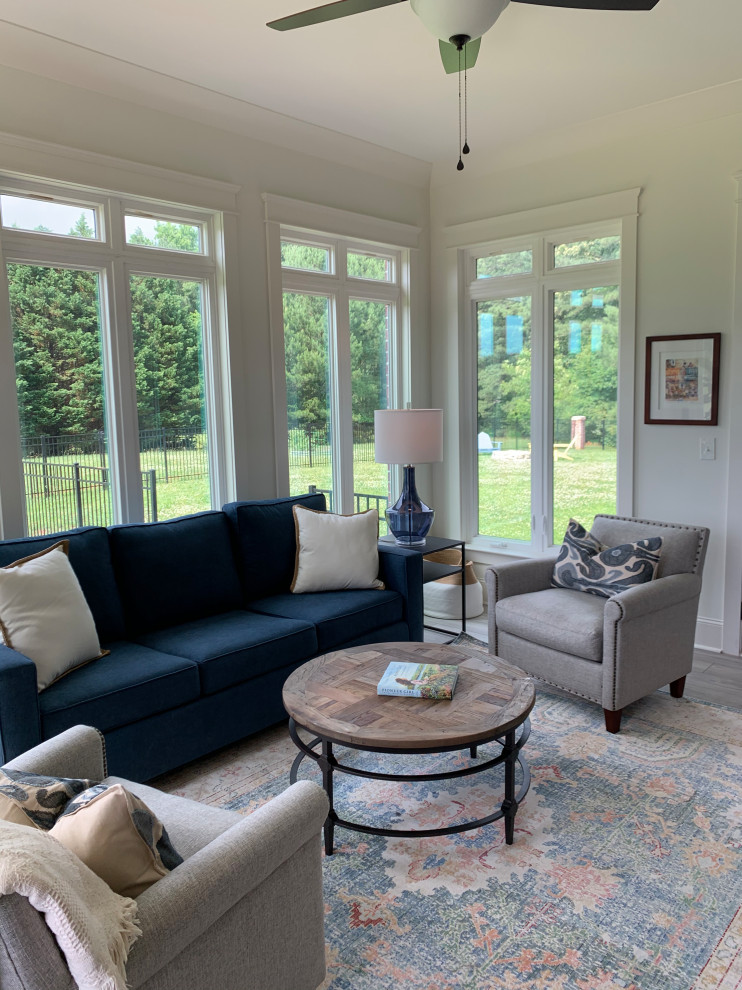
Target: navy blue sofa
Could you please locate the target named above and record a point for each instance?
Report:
(203, 632)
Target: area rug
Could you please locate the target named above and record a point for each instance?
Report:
(625, 872)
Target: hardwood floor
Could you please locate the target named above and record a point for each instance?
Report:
(716, 677)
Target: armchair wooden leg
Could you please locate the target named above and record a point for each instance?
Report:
(677, 687)
(612, 720)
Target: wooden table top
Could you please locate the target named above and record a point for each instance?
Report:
(335, 696)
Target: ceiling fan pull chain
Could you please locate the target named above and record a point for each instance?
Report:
(460, 164)
(465, 149)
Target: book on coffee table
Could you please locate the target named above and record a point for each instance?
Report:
(434, 681)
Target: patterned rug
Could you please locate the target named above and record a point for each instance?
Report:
(625, 872)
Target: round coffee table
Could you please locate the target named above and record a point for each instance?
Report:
(334, 698)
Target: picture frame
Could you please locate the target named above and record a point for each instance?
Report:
(682, 380)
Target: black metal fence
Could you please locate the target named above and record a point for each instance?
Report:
(64, 496)
(311, 445)
(181, 453)
(362, 501)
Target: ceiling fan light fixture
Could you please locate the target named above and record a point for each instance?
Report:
(448, 18)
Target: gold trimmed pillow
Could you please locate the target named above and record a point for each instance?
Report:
(36, 800)
(44, 615)
(114, 833)
(335, 553)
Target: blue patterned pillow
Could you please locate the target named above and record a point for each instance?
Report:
(585, 564)
(36, 800)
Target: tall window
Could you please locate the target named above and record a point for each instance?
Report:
(546, 312)
(341, 305)
(112, 316)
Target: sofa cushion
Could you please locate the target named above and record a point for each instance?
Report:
(584, 564)
(175, 571)
(236, 646)
(568, 621)
(339, 616)
(129, 684)
(265, 542)
(90, 556)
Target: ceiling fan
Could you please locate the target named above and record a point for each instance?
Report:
(458, 24)
(450, 21)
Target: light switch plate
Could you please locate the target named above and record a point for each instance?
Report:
(708, 449)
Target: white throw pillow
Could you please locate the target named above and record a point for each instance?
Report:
(335, 552)
(44, 615)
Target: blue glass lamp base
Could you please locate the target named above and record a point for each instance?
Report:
(409, 519)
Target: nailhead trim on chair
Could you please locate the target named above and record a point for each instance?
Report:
(105, 755)
(653, 522)
(615, 626)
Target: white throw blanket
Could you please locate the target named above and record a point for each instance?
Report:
(93, 926)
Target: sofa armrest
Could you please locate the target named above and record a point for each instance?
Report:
(20, 721)
(402, 570)
(648, 636)
(180, 907)
(76, 752)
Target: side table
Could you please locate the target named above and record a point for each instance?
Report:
(432, 571)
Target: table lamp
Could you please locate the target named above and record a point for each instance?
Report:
(408, 437)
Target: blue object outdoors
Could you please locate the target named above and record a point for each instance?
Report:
(513, 334)
(576, 297)
(486, 334)
(575, 337)
(597, 302)
(596, 337)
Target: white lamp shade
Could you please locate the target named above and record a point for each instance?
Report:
(447, 18)
(408, 436)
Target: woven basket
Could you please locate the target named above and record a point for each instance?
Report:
(442, 598)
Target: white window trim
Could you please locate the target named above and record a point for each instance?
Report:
(612, 213)
(339, 230)
(115, 260)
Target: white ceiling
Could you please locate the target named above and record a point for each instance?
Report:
(377, 75)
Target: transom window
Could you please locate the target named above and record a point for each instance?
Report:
(546, 325)
(115, 345)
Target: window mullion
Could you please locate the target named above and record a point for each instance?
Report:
(342, 407)
(539, 416)
(123, 422)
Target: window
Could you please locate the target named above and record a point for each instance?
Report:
(341, 317)
(116, 356)
(547, 330)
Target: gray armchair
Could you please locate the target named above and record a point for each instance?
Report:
(610, 650)
(243, 912)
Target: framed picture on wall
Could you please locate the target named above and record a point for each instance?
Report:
(682, 380)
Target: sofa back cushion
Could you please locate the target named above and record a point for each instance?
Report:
(265, 541)
(90, 556)
(175, 571)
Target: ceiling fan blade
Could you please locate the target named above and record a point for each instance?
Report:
(328, 12)
(595, 4)
(450, 55)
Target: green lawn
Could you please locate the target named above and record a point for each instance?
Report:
(583, 486)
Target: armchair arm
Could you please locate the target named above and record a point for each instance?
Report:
(402, 570)
(648, 636)
(519, 577)
(20, 721)
(515, 577)
(180, 907)
(76, 752)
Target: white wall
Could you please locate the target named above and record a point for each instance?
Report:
(50, 111)
(685, 284)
